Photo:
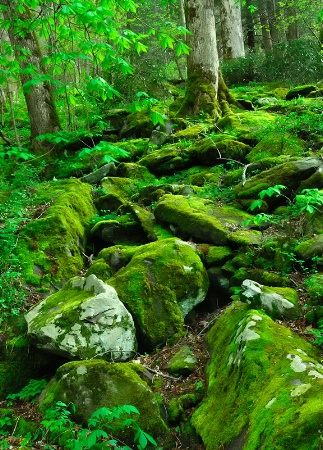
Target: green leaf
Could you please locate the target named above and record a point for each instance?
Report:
(157, 117)
(182, 48)
(256, 204)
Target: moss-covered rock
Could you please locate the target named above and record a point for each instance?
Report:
(160, 285)
(137, 125)
(277, 144)
(289, 174)
(135, 172)
(168, 159)
(259, 275)
(183, 362)
(21, 361)
(310, 248)
(83, 320)
(124, 229)
(264, 385)
(90, 385)
(199, 219)
(246, 125)
(277, 302)
(314, 288)
(51, 246)
(300, 91)
(218, 148)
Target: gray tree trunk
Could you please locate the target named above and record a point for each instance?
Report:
(39, 99)
(203, 60)
(231, 29)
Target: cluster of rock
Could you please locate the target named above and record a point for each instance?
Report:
(161, 251)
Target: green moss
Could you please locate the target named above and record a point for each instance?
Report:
(246, 124)
(314, 288)
(211, 150)
(97, 383)
(50, 247)
(192, 132)
(263, 393)
(161, 279)
(276, 144)
(261, 276)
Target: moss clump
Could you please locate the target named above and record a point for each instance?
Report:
(267, 381)
(246, 125)
(138, 125)
(161, 283)
(276, 144)
(90, 385)
(168, 159)
(260, 275)
(50, 247)
(211, 150)
(183, 362)
(314, 288)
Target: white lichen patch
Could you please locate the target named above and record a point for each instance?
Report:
(247, 334)
(255, 317)
(297, 363)
(299, 350)
(315, 374)
(81, 370)
(300, 389)
(270, 402)
(190, 302)
(187, 269)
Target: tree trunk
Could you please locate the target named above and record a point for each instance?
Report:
(231, 29)
(250, 25)
(39, 99)
(265, 29)
(203, 61)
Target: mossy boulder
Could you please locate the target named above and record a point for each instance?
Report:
(310, 248)
(90, 385)
(277, 302)
(259, 275)
(289, 174)
(246, 125)
(135, 172)
(20, 360)
(218, 148)
(51, 247)
(264, 386)
(124, 229)
(160, 285)
(192, 132)
(168, 159)
(83, 320)
(277, 144)
(183, 362)
(137, 125)
(300, 91)
(199, 219)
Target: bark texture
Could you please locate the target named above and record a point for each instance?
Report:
(203, 61)
(231, 29)
(39, 99)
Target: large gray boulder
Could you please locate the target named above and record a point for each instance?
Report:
(85, 319)
(277, 302)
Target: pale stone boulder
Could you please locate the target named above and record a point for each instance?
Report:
(85, 319)
(277, 302)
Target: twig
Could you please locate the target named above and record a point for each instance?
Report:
(157, 372)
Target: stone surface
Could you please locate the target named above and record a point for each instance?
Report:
(90, 385)
(85, 319)
(160, 284)
(264, 386)
(183, 362)
(275, 301)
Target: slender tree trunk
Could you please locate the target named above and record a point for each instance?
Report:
(231, 29)
(292, 31)
(265, 28)
(203, 61)
(39, 99)
(182, 13)
(251, 35)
